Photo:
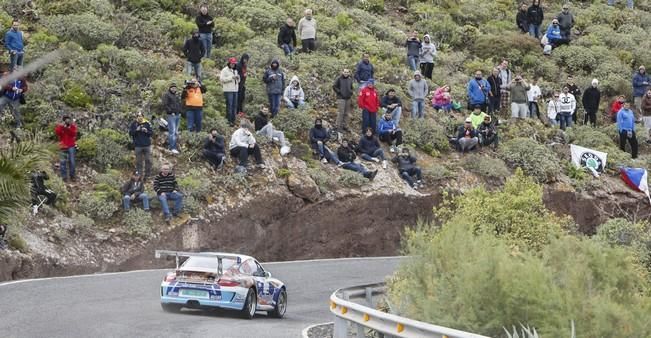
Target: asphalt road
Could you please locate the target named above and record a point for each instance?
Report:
(127, 304)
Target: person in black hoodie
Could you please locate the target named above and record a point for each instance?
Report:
(521, 19)
(535, 18)
(495, 81)
(408, 169)
(193, 49)
(205, 24)
(213, 149)
(242, 71)
(347, 156)
(370, 149)
(413, 45)
(287, 37)
(591, 99)
(319, 136)
(172, 105)
(141, 132)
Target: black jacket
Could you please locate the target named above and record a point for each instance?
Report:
(368, 146)
(165, 184)
(343, 87)
(193, 50)
(495, 82)
(172, 103)
(260, 121)
(216, 145)
(241, 68)
(591, 99)
(287, 35)
(461, 132)
(142, 137)
(202, 23)
(404, 162)
(535, 15)
(487, 130)
(346, 154)
(132, 187)
(574, 90)
(386, 101)
(319, 134)
(522, 21)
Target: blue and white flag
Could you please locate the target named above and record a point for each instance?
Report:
(636, 178)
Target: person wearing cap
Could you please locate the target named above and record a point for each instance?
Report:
(478, 90)
(230, 80)
(205, 25)
(391, 104)
(370, 149)
(242, 71)
(369, 102)
(192, 97)
(172, 106)
(418, 90)
(535, 17)
(133, 190)
(477, 116)
(626, 128)
(166, 188)
(389, 132)
(533, 95)
(307, 31)
(213, 149)
(567, 107)
(347, 156)
(590, 101)
(413, 50)
(294, 96)
(319, 136)
(274, 78)
(364, 70)
(576, 91)
(467, 138)
(641, 82)
(629, 3)
(408, 169)
(427, 56)
(141, 133)
(67, 134)
(343, 87)
(519, 100)
(487, 132)
(554, 37)
(287, 37)
(243, 144)
(194, 50)
(565, 22)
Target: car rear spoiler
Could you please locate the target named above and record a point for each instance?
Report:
(176, 254)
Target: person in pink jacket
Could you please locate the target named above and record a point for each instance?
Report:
(442, 99)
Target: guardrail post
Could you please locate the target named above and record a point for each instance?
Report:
(369, 297)
(341, 328)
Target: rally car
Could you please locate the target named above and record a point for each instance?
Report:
(221, 280)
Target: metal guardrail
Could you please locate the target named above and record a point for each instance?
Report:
(367, 317)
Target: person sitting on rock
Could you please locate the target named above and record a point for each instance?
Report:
(388, 132)
(477, 116)
(488, 133)
(467, 137)
(408, 169)
(132, 190)
(264, 127)
(370, 149)
(294, 96)
(319, 136)
(213, 149)
(166, 189)
(242, 145)
(347, 156)
(391, 104)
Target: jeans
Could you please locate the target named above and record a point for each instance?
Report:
(378, 153)
(566, 119)
(356, 167)
(143, 156)
(294, 104)
(389, 137)
(412, 61)
(191, 67)
(629, 3)
(623, 137)
(426, 69)
(171, 196)
(343, 117)
(206, 39)
(173, 121)
(325, 152)
(14, 106)
(446, 107)
(126, 201)
(418, 109)
(309, 45)
(533, 110)
(534, 30)
(241, 95)
(242, 153)
(194, 116)
(467, 143)
(396, 114)
(67, 157)
(231, 106)
(287, 48)
(493, 104)
(369, 120)
(408, 175)
(216, 159)
(15, 59)
(271, 132)
(274, 103)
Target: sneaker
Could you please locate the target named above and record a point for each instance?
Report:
(340, 164)
(261, 166)
(372, 174)
(375, 159)
(420, 184)
(168, 218)
(384, 164)
(415, 186)
(175, 152)
(393, 149)
(324, 161)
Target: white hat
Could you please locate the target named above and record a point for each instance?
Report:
(595, 82)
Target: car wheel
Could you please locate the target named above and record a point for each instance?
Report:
(171, 307)
(281, 305)
(250, 304)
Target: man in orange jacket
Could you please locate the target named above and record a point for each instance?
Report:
(193, 100)
(369, 102)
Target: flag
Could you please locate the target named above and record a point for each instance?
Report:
(593, 160)
(636, 178)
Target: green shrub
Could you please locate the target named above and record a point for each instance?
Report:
(486, 166)
(351, 179)
(322, 179)
(196, 183)
(374, 6)
(75, 96)
(138, 222)
(110, 154)
(295, 123)
(191, 205)
(16, 242)
(283, 172)
(232, 182)
(437, 172)
(87, 147)
(86, 29)
(97, 205)
(426, 135)
(535, 159)
(624, 233)
(262, 16)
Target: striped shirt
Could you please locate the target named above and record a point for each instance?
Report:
(165, 184)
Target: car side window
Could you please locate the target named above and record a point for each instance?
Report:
(248, 267)
(259, 270)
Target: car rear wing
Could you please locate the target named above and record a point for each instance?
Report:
(177, 254)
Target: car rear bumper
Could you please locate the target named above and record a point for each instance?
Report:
(193, 302)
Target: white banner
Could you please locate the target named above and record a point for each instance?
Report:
(588, 158)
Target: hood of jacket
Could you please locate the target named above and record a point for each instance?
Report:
(295, 78)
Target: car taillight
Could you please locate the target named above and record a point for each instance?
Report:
(227, 282)
(170, 277)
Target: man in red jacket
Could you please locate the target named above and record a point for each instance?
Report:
(369, 102)
(67, 134)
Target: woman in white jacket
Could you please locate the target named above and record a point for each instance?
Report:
(230, 81)
(243, 144)
(294, 96)
(553, 108)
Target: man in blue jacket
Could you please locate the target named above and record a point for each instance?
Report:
(640, 84)
(364, 70)
(390, 133)
(626, 128)
(15, 46)
(141, 132)
(478, 90)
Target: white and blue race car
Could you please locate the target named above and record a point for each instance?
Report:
(221, 280)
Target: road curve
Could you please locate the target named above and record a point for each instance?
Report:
(127, 304)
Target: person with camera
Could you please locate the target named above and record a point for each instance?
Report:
(14, 96)
(205, 25)
(172, 106)
(519, 98)
(67, 134)
(230, 80)
(478, 90)
(626, 128)
(193, 100)
(213, 149)
(15, 45)
(141, 132)
(274, 78)
(194, 50)
(488, 133)
(132, 190)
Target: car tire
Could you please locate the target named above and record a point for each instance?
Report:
(173, 308)
(281, 305)
(250, 304)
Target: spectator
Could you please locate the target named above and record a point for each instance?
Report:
(172, 105)
(533, 95)
(629, 3)
(488, 133)
(242, 71)
(554, 109)
(275, 80)
(67, 134)
(591, 99)
(554, 36)
(442, 99)
(230, 81)
(626, 128)
(264, 127)
(495, 82)
(243, 144)
(519, 100)
(408, 169)
(39, 189)
(616, 107)
(413, 50)
(521, 19)
(505, 94)
(392, 104)
(343, 87)
(205, 24)
(166, 189)
(294, 96)
(427, 56)
(15, 46)
(213, 149)
(640, 85)
(319, 136)
(132, 190)
(141, 132)
(364, 70)
(30, 12)
(566, 22)
(307, 31)
(193, 100)
(418, 90)
(467, 138)
(567, 107)
(477, 117)
(193, 49)
(369, 102)
(14, 95)
(646, 110)
(535, 17)
(574, 90)
(347, 156)
(370, 149)
(287, 37)
(389, 132)
(478, 90)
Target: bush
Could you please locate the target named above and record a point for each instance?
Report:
(486, 166)
(321, 178)
(437, 172)
(16, 242)
(196, 184)
(634, 236)
(97, 205)
(138, 222)
(295, 123)
(426, 135)
(76, 97)
(535, 159)
(86, 29)
(351, 179)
